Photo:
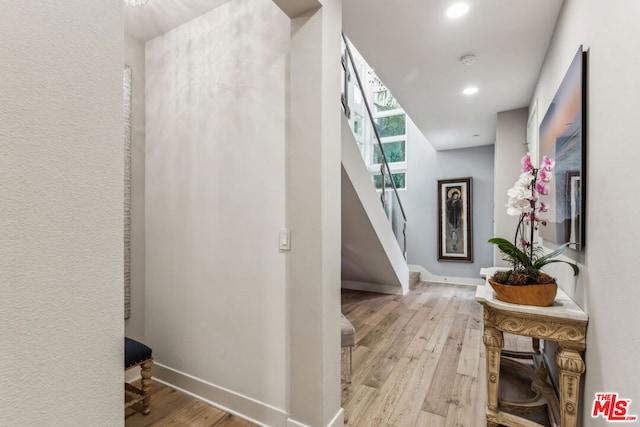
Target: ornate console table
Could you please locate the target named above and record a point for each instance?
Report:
(565, 323)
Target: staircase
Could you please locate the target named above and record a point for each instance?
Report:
(373, 221)
(371, 257)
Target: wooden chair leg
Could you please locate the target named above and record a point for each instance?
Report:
(145, 373)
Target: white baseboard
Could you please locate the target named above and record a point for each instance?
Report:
(337, 421)
(234, 403)
(131, 375)
(427, 276)
(374, 287)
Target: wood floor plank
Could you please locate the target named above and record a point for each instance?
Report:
(380, 312)
(480, 404)
(381, 405)
(363, 366)
(438, 338)
(195, 414)
(398, 327)
(363, 311)
(362, 331)
(369, 354)
(362, 398)
(427, 335)
(467, 303)
(417, 321)
(470, 354)
(379, 330)
(422, 293)
(475, 319)
(440, 297)
(360, 365)
(410, 403)
(427, 419)
(360, 357)
(437, 399)
(461, 402)
(384, 364)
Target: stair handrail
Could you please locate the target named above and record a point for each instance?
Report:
(385, 163)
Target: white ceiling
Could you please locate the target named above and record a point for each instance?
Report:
(415, 50)
(159, 16)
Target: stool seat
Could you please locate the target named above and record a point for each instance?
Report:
(135, 352)
(347, 332)
(138, 354)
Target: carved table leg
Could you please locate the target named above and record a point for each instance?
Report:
(493, 341)
(571, 368)
(145, 373)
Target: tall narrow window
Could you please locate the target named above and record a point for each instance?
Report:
(399, 179)
(394, 152)
(391, 125)
(383, 101)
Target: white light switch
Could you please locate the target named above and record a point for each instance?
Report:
(285, 239)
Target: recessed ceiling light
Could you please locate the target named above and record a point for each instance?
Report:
(457, 10)
(470, 90)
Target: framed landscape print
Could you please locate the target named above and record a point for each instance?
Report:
(455, 236)
(563, 138)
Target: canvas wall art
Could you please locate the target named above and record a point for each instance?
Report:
(563, 138)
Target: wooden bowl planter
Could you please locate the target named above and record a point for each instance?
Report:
(541, 295)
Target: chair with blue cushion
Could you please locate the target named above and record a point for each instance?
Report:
(138, 354)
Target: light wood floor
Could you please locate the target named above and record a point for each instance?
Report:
(170, 408)
(418, 361)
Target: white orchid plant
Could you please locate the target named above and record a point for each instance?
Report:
(524, 254)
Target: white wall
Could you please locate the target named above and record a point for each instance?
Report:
(242, 139)
(313, 199)
(134, 57)
(606, 288)
(215, 199)
(509, 150)
(61, 203)
(425, 167)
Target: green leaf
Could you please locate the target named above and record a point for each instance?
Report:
(555, 253)
(572, 265)
(546, 259)
(511, 252)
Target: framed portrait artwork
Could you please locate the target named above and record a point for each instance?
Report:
(455, 238)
